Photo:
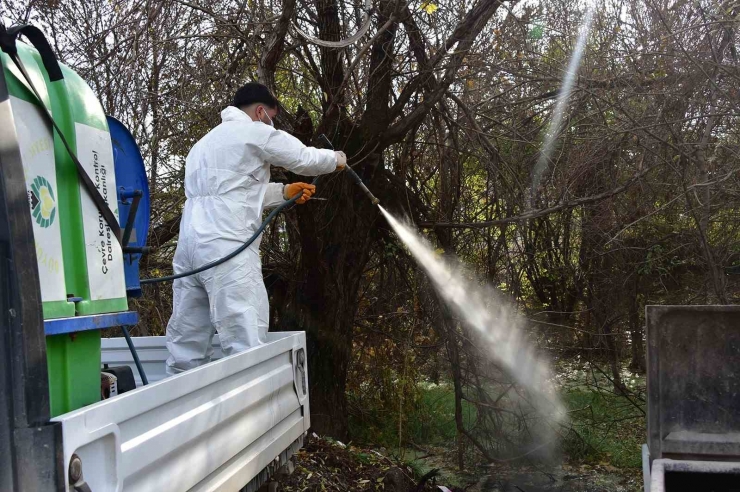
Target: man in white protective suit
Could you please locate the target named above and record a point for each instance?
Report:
(227, 187)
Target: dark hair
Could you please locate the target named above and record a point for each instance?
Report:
(254, 92)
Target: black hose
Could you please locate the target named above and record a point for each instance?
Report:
(135, 355)
(236, 251)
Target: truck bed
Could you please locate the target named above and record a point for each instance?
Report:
(217, 427)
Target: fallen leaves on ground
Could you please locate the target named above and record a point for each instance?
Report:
(326, 465)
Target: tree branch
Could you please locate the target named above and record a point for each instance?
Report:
(274, 48)
(533, 214)
(464, 36)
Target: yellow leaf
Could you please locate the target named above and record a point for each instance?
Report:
(429, 7)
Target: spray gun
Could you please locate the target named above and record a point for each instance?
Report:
(354, 176)
(262, 227)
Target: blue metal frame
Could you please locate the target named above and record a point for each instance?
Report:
(133, 197)
(94, 322)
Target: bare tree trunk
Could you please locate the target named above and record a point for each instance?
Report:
(613, 354)
(321, 296)
(453, 351)
(637, 364)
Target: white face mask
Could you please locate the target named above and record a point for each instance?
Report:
(268, 117)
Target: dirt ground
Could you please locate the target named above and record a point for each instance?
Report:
(325, 465)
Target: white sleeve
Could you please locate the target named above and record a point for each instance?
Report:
(284, 150)
(274, 195)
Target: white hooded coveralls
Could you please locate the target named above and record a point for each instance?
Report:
(227, 186)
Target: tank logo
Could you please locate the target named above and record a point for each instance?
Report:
(42, 202)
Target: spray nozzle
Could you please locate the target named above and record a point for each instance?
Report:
(354, 176)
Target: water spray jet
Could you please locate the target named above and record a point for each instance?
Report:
(561, 103)
(491, 318)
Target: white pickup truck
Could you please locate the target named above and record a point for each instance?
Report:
(223, 426)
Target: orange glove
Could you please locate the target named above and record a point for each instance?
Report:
(293, 189)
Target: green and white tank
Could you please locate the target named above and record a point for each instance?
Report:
(78, 255)
(79, 259)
